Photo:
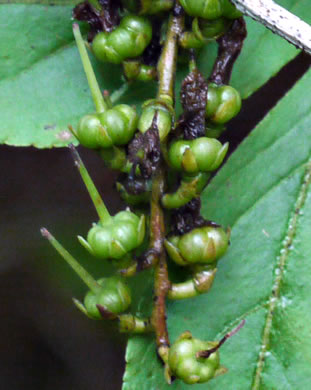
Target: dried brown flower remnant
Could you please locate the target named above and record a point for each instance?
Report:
(229, 48)
(193, 99)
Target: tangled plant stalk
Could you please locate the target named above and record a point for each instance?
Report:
(165, 163)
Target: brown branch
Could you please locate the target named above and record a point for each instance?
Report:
(161, 282)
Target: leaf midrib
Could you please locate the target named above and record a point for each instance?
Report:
(284, 253)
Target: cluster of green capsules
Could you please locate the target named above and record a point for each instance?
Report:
(112, 131)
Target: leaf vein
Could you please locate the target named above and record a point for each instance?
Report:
(238, 319)
(281, 262)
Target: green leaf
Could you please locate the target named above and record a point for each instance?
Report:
(43, 87)
(263, 192)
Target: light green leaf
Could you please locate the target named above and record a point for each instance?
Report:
(43, 87)
(263, 192)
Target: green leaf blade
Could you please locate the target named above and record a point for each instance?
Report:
(251, 277)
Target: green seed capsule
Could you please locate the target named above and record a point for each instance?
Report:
(185, 365)
(119, 124)
(203, 245)
(223, 103)
(114, 295)
(128, 40)
(116, 237)
(148, 7)
(210, 9)
(115, 126)
(88, 131)
(200, 155)
(164, 118)
(203, 32)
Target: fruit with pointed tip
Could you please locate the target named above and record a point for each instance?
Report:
(111, 294)
(187, 366)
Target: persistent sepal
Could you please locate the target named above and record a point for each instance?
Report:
(199, 155)
(203, 245)
(187, 366)
(116, 237)
(223, 103)
(128, 40)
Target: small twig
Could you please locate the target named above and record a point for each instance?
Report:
(166, 74)
(168, 59)
(161, 282)
(279, 20)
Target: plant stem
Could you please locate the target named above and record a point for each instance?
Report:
(101, 209)
(161, 282)
(167, 62)
(166, 74)
(79, 270)
(200, 283)
(132, 324)
(97, 96)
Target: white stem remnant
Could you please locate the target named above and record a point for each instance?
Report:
(279, 20)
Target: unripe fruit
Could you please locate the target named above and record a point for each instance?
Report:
(223, 103)
(113, 295)
(115, 126)
(128, 40)
(210, 9)
(203, 31)
(203, 245)
(185, 365)
(88, 131)
(199, 155)
(164, 118)
(116, 237)
(148, 7)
